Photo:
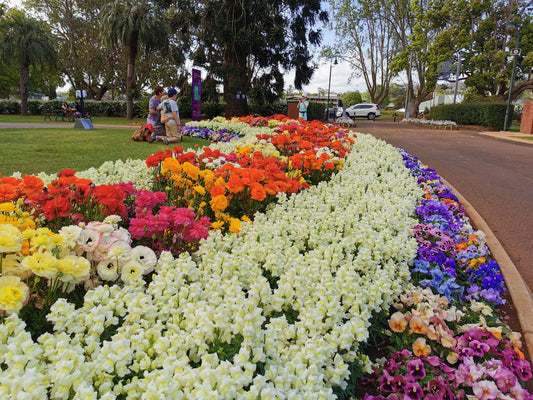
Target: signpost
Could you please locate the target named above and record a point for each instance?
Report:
(196, 95)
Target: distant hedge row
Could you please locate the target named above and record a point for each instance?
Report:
(489, 115)
(117, 108)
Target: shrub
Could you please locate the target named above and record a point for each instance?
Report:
(9, 106)
(185, 106)
(212, 109)
(316, 111)
(490, 115)
(266, 110)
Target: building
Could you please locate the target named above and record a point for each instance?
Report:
(437, 100)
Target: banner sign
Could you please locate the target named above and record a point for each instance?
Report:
(196, 95)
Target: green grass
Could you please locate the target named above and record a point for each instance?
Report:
(525, 137)
(50, 150)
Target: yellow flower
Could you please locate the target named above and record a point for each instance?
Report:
(219, 203)
(191, 170)
(74, 269)
(41, 264)
(172, 165)
(199, 189)
(244, 218)
(217, 225)
(7, 207)
(11, 266)
(13, 293)
(234, 225)
(10, 239)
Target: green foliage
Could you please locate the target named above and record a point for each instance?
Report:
(212, 109)
(25, 43)
(490, 115)
(9, 106)
(352, 98)
(266, 110)
(225, 350)
(316, 111)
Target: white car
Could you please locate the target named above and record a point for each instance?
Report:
(364, 110)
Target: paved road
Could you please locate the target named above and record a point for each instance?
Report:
(494, 175)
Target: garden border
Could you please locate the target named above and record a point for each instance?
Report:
(519, 291)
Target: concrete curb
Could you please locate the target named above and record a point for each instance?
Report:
(519, 291)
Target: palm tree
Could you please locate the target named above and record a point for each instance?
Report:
(131, 23)
(25, 42)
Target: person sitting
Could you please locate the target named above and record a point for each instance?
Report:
(77, 110)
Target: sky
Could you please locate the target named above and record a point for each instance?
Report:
(340, 73)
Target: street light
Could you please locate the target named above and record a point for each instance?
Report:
(329, 85)
(515, 52)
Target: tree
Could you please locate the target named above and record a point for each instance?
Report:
(131, 23)
(25, 42)
(352, 98)
(368, 42)
(247, 43)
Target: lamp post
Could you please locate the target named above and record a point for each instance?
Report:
(329, 85)
(515, 52)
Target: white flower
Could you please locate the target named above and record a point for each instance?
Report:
(145, 257)
(131, 272)
(108, 270)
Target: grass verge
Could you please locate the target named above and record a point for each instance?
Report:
(50, 150)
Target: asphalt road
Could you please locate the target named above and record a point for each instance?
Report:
(493, 174)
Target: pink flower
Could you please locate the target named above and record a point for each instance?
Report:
(195, 232)
(485, 390)
(504, 378)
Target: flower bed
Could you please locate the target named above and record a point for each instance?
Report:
(277, 253)
(431, 123)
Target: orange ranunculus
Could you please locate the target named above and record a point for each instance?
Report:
(418, 326)
(219, 203)
(235, 184)
(172, 165)
(218, 190)
(420, 348)
(191, 170)
(8, 192)
(32, 185)
(258, 193)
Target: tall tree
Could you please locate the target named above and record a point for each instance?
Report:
(484, 32)
(368, 43)
(248, 43)
(131, 23)
(25, 42)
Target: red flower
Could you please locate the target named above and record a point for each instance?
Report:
(57, 207)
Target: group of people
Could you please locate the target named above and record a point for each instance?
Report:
(74, 110)
(163, 115)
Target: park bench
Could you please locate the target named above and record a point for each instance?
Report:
(58, 114)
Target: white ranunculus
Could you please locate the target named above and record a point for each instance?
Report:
(108, 270)
(145, 257)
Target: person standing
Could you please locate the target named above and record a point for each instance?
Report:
(154, 105)
(171, 118)
(303, 104)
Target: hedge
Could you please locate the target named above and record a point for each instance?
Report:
(316, 111)
(489, 115)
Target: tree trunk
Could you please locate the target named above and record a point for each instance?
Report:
(24, 87)
(130, 77)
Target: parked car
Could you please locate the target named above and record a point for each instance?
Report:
(364, 110)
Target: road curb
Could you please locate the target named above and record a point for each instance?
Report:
(519, 291)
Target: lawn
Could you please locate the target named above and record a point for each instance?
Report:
(525, 137)
(50, 150)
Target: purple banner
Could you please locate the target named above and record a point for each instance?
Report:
(196, 95)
